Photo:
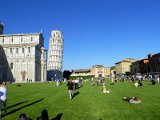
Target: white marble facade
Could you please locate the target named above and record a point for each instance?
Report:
(55, 56)
(25, 58)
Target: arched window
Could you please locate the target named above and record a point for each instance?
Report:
(22, 50)
(21, 39)
(17, 50)
(29, 50)
(11, 65)
(10, 50)
(11, 40)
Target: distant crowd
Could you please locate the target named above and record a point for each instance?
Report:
(76, 83)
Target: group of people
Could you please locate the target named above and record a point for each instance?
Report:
(97, 81)
(72, 84)
(133, 100)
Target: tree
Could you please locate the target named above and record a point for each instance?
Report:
(66, 74)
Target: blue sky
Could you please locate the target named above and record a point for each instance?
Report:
(95, 31)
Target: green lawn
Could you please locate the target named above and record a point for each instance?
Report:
(89, 104)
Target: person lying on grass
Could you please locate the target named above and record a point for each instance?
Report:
(134, 100)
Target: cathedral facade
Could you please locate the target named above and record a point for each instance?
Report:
(22, 57)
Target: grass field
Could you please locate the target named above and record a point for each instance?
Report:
(89, 104)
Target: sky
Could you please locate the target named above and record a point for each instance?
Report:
(95, 32)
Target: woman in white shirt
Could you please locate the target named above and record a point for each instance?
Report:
(3, 96)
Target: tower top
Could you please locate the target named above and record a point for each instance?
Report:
(56, 33)
(1, 28)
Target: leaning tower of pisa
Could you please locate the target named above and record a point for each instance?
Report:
(55, 56)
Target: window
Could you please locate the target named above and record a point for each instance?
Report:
(3, 40)
(31, 39)
(22, 50)
(10, 50)
(11, 65)
(21, 39)
(11, 40)
(16, 50)
(29, 50)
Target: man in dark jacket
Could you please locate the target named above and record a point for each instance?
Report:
(70, 88)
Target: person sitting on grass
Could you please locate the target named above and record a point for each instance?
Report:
(135, 84)
(134, 100)
(153, 82)
(140, 83)
(105, 90)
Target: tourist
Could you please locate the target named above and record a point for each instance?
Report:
(153, 82)
(3, 97)
(105, 90)
(140, 83)
(76, 81)
(70, 88)
(134, 100)
(135, 84)
(157, 78)
(112, 79)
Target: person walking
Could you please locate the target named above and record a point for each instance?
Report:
(70, 88)
(3, 97)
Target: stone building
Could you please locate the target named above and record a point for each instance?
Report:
(81, 72)
(123, 67)
(95, 71)
(24, 57)
(100, 71)
(55, 56)
(154, 63)
(140, 66)
(135, 67)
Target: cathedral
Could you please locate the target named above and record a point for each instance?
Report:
(22, 57)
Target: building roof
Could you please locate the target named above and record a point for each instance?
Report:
(25, 34)
(156, 54)
(81, 70)
(97, 66)
(126, 60)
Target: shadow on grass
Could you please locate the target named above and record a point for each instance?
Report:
(13, 111)
(17, 104)
(75, 94)
(58, 117)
